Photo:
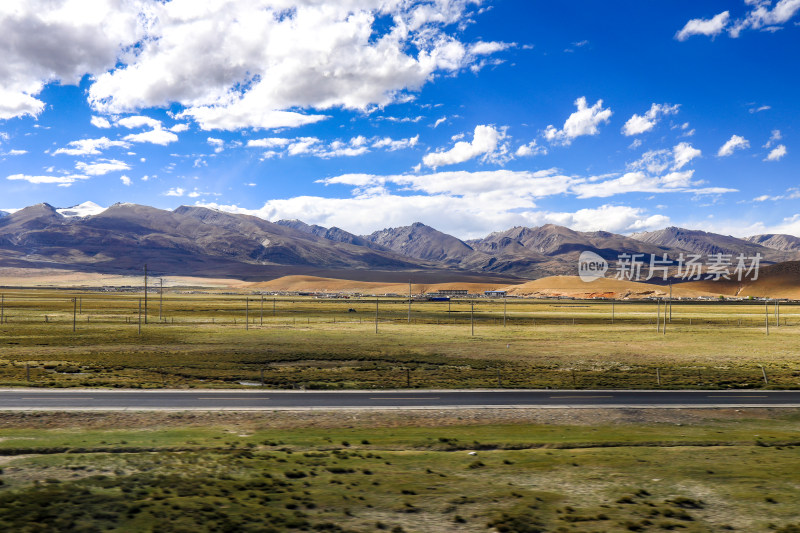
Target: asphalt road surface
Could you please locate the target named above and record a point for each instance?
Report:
(267, 400)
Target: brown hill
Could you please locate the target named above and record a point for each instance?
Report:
(331, 285)
(774, 281)
(574, 287)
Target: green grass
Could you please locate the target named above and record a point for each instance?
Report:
(720, 474)
(202, 341)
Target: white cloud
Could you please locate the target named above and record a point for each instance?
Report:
(218, 144)
(14, 152)
(102, 167)
(711, 27)
(761, 17)
(485, 142)
(439, 122)
(270, 142)
(100, 122)
(139, 121)
(777, 153)
(313, 146)
(175, 191)
(179, 128)
(773, 138)
(638, 124)
(683, 153)
(125, 180)
(61, 181)
(43, 41)
(760, 109)
(157, 136)
(584, 121)
(485, 48)
(656, 171)
(90, 146)
(396, 144)
(272, 61)
(736, 142)
(530, 149)
(463, 217)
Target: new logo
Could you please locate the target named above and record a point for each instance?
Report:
(591, 266)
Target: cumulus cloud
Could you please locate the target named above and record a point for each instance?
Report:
(530, 149)
(157, 136)
(100, 122)
(125, 180)
(396, 144)
(139, 121)
(102, 167)
(584, 121)
(43, 41)
(462, 217)
(486, 142)
(61, 181)
(175, 191)
(90, 146)
(638, 124)
(736, 142)
(776, 153)
(656, 171)
(710, 27)
(683, 153)
(266, 64)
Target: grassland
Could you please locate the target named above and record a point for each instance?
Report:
(722, 470)
(219, 340)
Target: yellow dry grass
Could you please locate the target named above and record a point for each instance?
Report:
(318, 284)
(573, 286)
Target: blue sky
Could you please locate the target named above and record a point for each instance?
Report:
(469, 116)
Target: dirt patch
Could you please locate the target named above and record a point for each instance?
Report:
(251, 421)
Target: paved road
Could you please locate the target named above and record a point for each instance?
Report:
(101, 400)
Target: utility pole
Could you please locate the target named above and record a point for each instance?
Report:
(262, 309)
(409, 301)
(273, 306)
(161, 300)
(670, 300)
(504, 311)
(766, 315)
(376, 315)
(145, 293)
(658, 315)
(74, 313)
(777, 313)
(140, 316)
(472, 316)
(247, 313)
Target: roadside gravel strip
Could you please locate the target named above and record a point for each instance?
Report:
(30, 399)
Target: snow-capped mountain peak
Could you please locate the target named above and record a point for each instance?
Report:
(86, 209)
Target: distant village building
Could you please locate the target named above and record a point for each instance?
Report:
(450, 292)
(495, 294)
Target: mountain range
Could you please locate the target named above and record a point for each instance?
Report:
(200, 241)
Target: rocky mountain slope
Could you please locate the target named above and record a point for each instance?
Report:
(206, 242)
